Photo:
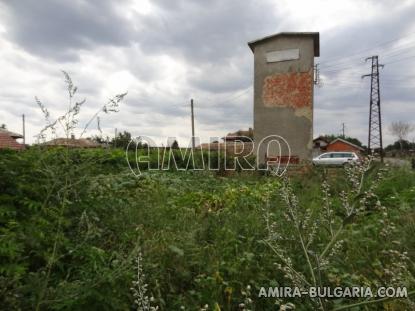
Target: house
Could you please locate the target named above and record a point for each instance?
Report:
(238, 143)
(72, 143)
(320, 142)
(240, 135)
(8, 140)
(320, 145)
(340, 144)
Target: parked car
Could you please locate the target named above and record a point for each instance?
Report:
(336, 158)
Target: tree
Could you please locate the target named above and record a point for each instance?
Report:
(400, 145)
(122, 140)
(125, 139)
(400, 130)
(3, 126)
(99, 139)
(174, 145)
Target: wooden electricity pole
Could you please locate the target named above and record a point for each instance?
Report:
(24, 130)
(193, 124)
(115, 138)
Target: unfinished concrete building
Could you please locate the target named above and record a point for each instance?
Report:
(283, 94)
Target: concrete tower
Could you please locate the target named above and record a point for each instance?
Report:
(283, 93)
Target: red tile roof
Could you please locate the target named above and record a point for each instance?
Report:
(73, 143)
(8, 142)
(347, 143)
(240, 135)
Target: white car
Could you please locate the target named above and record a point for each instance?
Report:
(336, 158)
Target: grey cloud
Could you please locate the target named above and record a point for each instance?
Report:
(343, 52)
(367, 33)
(204, 31)
(209, 39)
(223, 77)
(58, 29)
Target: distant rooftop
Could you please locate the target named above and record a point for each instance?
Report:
(240, 135)
(8, 140)
(11, 134)
(73, 143)
(314, 35)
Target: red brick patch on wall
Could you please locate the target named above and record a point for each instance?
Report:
(293, 89)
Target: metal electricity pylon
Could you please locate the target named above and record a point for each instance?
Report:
(375, 145)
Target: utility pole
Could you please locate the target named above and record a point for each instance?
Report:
(343, 126)
(24, 130)
(193, 124)
(375, 120)
(115, 138)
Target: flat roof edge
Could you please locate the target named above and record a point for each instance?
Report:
(314, 35)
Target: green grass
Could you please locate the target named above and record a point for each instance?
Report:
(201, 234)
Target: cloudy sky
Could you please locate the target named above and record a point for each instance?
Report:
(165, 52)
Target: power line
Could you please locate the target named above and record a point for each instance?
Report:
(351, 61)
(339, 69)
(351, 66)
(232, 98)
(399, 60)
(390, 52)
(385, 43)
(397, 52)
(356, 66)
(226, 100)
